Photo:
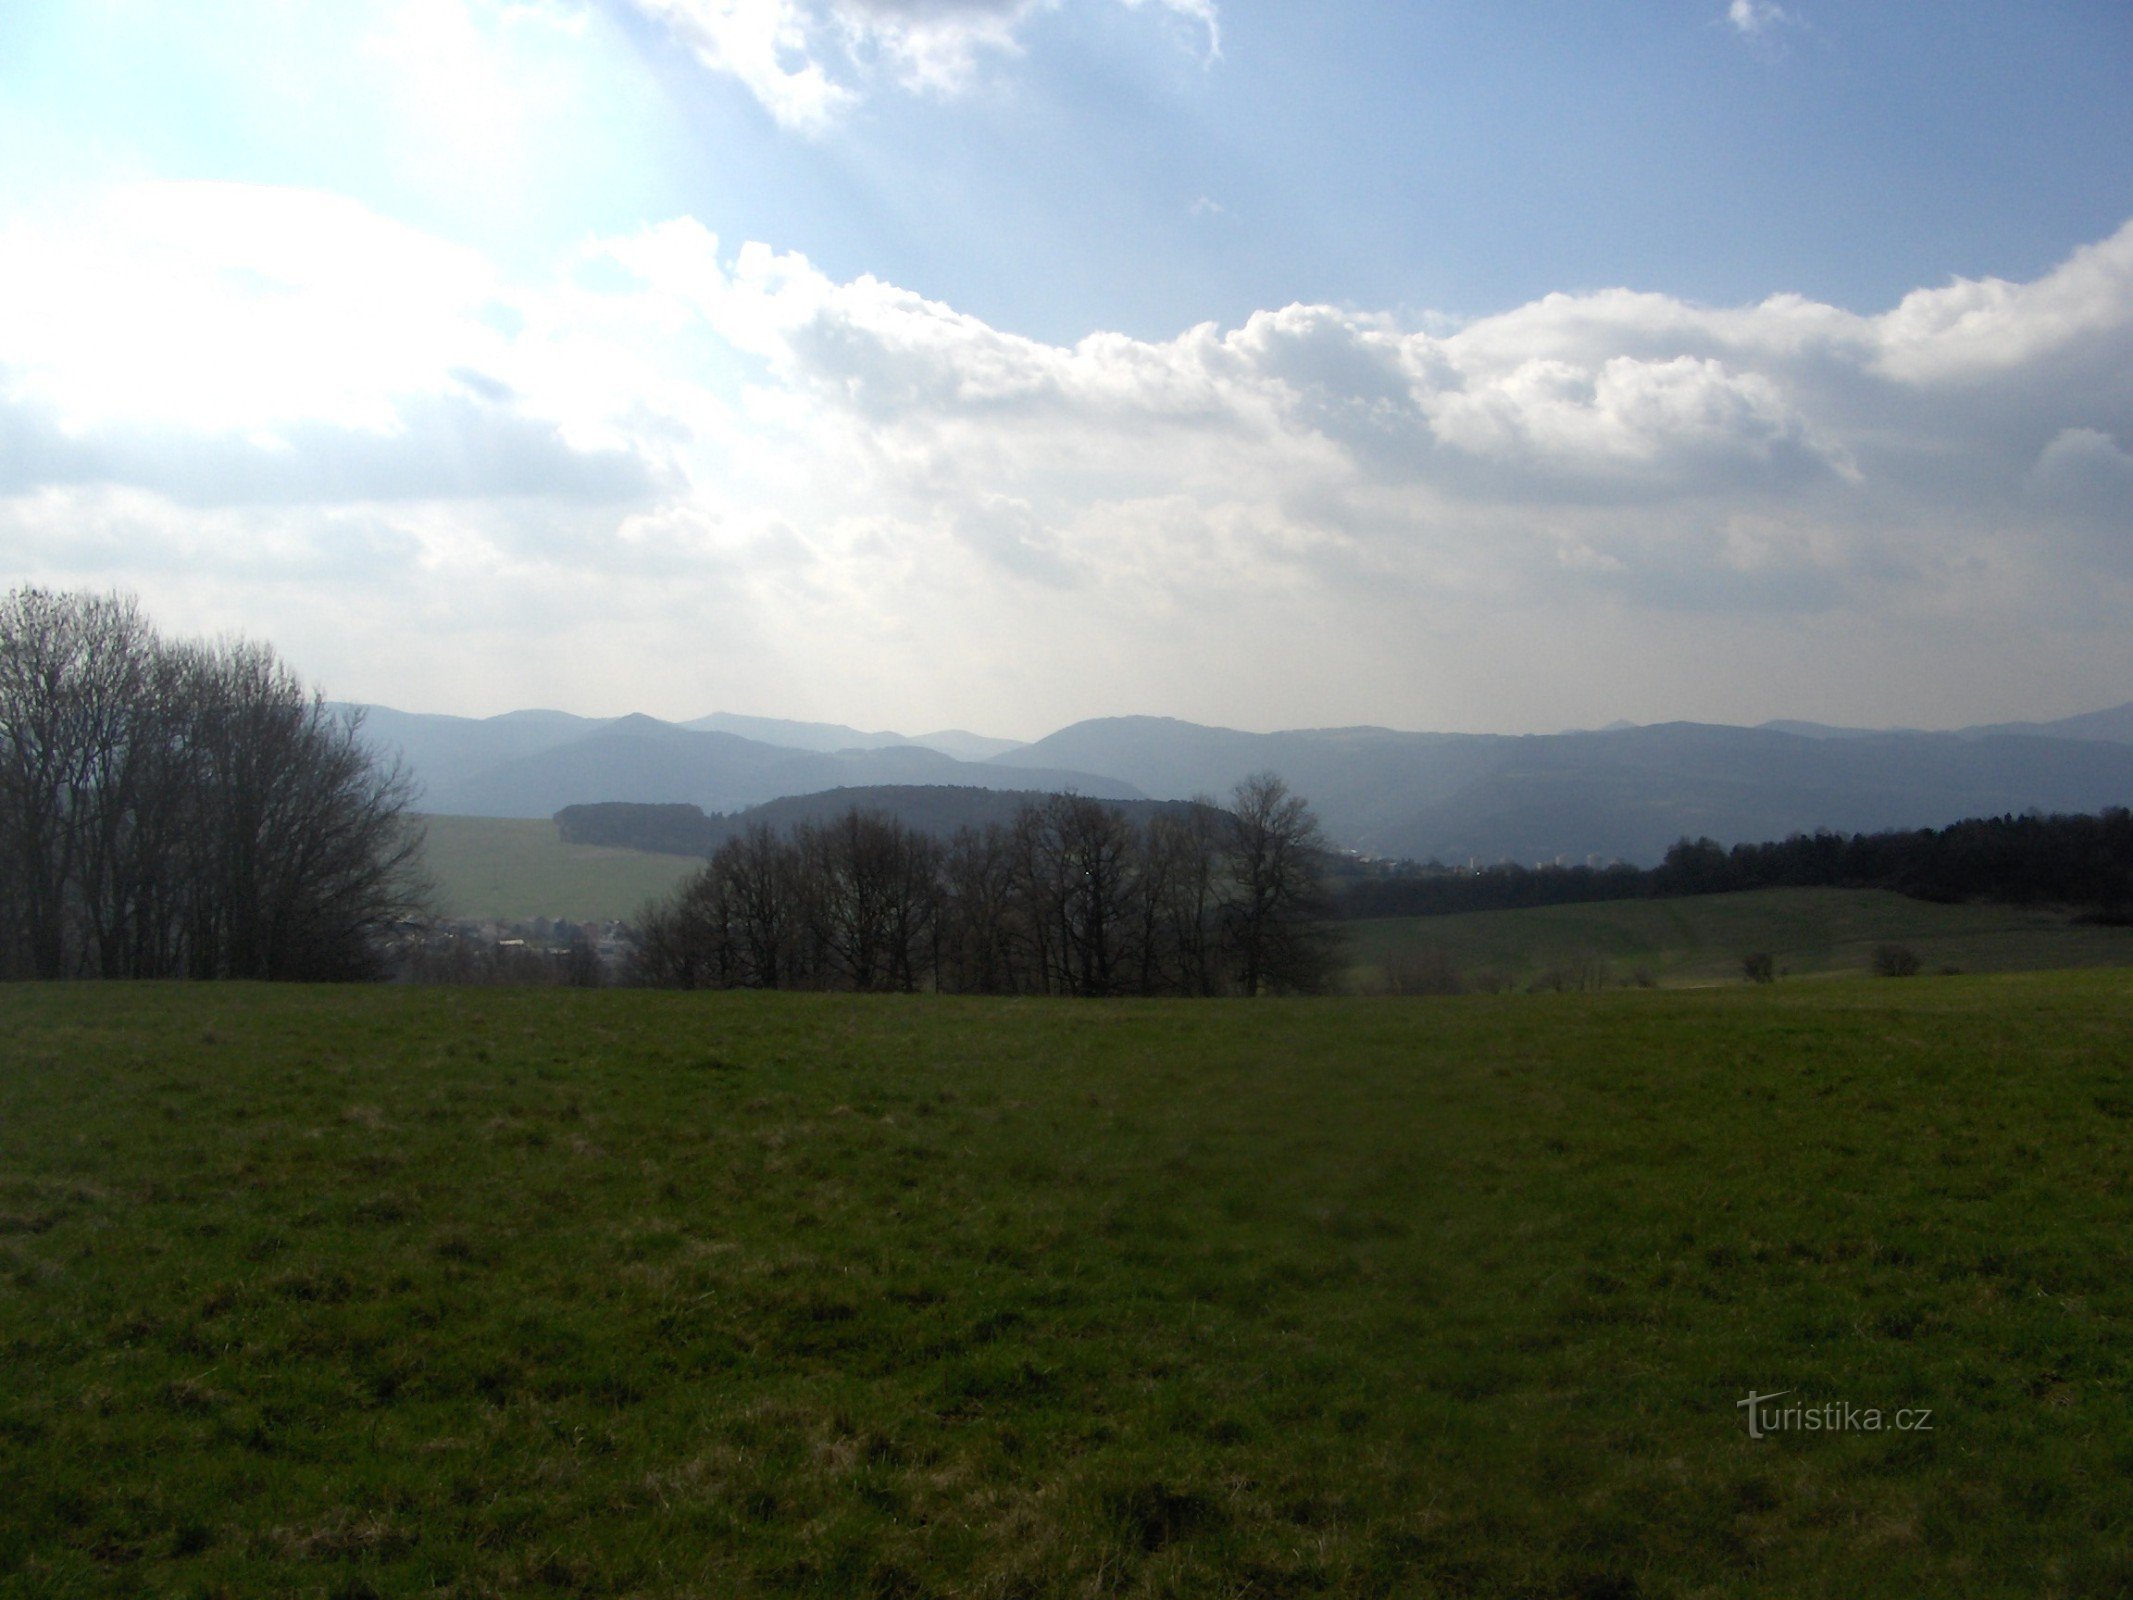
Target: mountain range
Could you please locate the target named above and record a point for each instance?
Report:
(534, 763)
(1624, 792)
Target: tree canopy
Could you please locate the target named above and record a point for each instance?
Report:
(185, 809)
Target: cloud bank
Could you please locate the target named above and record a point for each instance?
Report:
(806, 495)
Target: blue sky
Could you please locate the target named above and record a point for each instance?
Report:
(1000, 362)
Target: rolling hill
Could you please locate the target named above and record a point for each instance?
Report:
(937, 810)
(532, 764)
(1622, 793)
(833, 736)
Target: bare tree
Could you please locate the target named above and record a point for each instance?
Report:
(760, 875)
(71, 684)
(686, 941)
(1273, 906)
(181, 809)
(980, 943)
(870, 893)
(310, 854)
(1071, 898)
(1183, 849)
(1097, 880)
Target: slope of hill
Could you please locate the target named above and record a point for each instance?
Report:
(789, 735)
(332, 1290)
(514, 869)
(2114, 726)
(1363, 782)
(935, 809)
(1632, 794)
(837, 737)
(834, 736)
(965, 745)
(1625, 793)
(1700, 940)
(445, 751)
(532, 764)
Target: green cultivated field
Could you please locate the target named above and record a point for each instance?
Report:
(518, 870)
(401, 1292)
(1700, 940)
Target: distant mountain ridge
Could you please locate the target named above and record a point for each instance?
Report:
(1625, 792)
(2112, 726)
(534, 763)
(936, 810)
(829, 737)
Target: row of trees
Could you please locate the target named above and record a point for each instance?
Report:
(1070, 898)
(184, 809)
(2083, 861)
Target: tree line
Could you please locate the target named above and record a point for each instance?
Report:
(931, 808)
(1071, 897)
(2078, 861)
(177, 808)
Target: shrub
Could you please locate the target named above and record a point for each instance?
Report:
(1581, 974)
(1426, 969)
(1895, 961)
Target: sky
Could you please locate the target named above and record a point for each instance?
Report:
(1000, 363)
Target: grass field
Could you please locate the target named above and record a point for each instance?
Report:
(395, 1292)
(1700, 940)
(518, 870)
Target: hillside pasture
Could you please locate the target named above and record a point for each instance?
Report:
(513, 870)
(404, 1291)
(1700, 940)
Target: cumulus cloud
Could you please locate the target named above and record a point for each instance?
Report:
(673, 428)
(807, 61)
(1974, 330)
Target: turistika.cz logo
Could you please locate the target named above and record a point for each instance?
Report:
(1828, 1416)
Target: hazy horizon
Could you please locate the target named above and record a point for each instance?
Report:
(999, 365)
(917, 732)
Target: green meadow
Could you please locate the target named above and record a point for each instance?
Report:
(387, 1291)
(515, 870)
(1701, 940)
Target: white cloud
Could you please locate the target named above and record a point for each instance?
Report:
(227, 306)
(1756, 19)
(807, 61)
(226, 343)
(2085, 458)
(1977, 329)
(769, 45)
(2088, 480)
(249, 386)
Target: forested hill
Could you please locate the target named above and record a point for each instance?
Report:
(530, 764)
(1625, 793)
(1620, 794)
(934, 809)
(2081, 862)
